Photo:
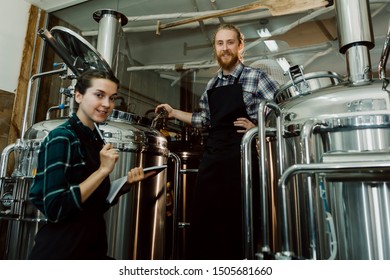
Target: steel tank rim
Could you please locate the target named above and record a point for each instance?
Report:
(133, 137)
(338, 102)
(289, 90)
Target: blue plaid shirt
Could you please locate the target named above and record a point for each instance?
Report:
(256, 86)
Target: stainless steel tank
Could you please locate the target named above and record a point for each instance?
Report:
(136, 225)
(333, 126)
(328, 166)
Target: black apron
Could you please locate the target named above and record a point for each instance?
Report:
(216, 227)
(81, 235)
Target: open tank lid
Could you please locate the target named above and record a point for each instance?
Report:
(77, 53)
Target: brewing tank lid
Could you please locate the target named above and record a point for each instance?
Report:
(77, 52)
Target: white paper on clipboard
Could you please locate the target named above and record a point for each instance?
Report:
(117, 184)
(158, 168)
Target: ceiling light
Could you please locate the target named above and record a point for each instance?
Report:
(271, 44)
(283, 63)
(263, 33)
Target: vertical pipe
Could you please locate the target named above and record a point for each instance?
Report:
(246, 189)
(264, 188)
(30, 82)
(355, 35)
(307, 158)
(110, 23)
(176, 186)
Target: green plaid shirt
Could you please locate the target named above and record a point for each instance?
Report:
(55, 190)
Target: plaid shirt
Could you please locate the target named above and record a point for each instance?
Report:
(55, 190)
(256, 86)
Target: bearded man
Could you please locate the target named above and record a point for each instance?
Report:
(228, 108)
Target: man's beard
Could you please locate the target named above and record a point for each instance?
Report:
(227, 64)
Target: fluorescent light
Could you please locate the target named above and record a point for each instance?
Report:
(263, 33)
(283, 63)
(271, 44)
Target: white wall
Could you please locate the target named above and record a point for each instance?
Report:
(13, 27)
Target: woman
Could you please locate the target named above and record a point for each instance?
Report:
(72, 180)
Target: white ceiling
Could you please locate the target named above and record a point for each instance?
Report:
(312, 43)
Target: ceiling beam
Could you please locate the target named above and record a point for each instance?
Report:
(276, 8)
(54, 5)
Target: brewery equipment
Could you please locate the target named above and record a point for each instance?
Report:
(324, 157)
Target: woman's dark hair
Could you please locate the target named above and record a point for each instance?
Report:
(84, 80)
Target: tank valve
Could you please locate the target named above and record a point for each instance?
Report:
(162, 113)
(290, 116)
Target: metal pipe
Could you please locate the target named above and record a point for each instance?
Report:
(152, 28)
(110, 23)
(185, 171)
(246, 188)
(264, 188)
(353, 14)
(4, 159)
(39, 75)
(334, 167)
(57, 107)
(176, 184)
(262, 156)
(307, 158)
(209, 64)
(355, 45)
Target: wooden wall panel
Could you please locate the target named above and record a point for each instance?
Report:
(6, 104)
(29, 67)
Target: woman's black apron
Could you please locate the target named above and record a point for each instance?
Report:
(82, 235)
(216, 226)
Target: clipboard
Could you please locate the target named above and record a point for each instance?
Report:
(116, 185)
(157, 168)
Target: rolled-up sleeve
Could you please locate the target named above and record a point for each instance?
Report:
(54, 190)
(201, 119)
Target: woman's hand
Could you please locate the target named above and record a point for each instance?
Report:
(245, 123)
(137, 174)
(108, 158)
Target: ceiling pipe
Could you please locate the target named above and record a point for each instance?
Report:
(214, 21)
(290, 26)
(228, 19)
(210, 64)
(280, 31)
